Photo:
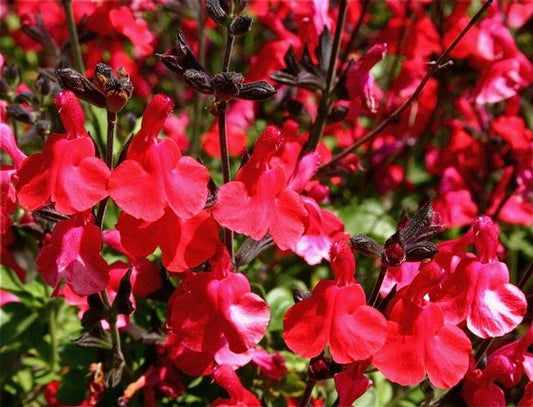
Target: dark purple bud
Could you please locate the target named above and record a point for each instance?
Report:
(216, 12)
(95, 313)
(258, 90)
(11, 74)
(227, 85)
(20, 113)
(420, 251)
(199, 80)
(122, 303)
(82, 87)
(43, 85)
(366, 246)
(241, 25)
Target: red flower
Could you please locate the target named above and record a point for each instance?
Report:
(184, 243)
(226, 377)
(219, 305)
(73, 255)
(352, 383)
(155, 176)
(67, 172)
(420, 341)
(336, 314)
(259, 201)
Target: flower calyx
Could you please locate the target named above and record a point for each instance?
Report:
(224, 86)
(104, 90)
(409, 243)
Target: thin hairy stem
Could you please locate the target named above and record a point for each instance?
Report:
(197, 103)
(324, 106)
(306, 398)
(74, 39)
(435, 67)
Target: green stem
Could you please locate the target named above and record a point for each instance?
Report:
(74, 39)
(326, 101)
(118, 357)
(52, 328)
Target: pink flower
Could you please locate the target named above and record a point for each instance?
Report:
(336, 315)
(73, 255)
(66, 173)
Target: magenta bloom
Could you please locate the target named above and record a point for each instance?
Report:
(336, 315)
(73, 255)
(154, 175)
(219, 305)
(67, 172)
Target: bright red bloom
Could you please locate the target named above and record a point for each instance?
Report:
(336, 314)
(184, 243)
(226, 377)
(219, 305)
(73, 255)
(419, 339)
(154, 175)
(352, 383)
(145, 275)
(66, 173)
(259, 201)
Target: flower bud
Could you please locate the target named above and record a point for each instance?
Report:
(20, 113)
(258, 90)
(198, 80)
(366, 246)
(241, 25)
(227, 85)
(11, 74)
(122, 303)
(82, 87)
(216, 12)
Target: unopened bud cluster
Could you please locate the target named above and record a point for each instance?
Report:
(105, 90)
